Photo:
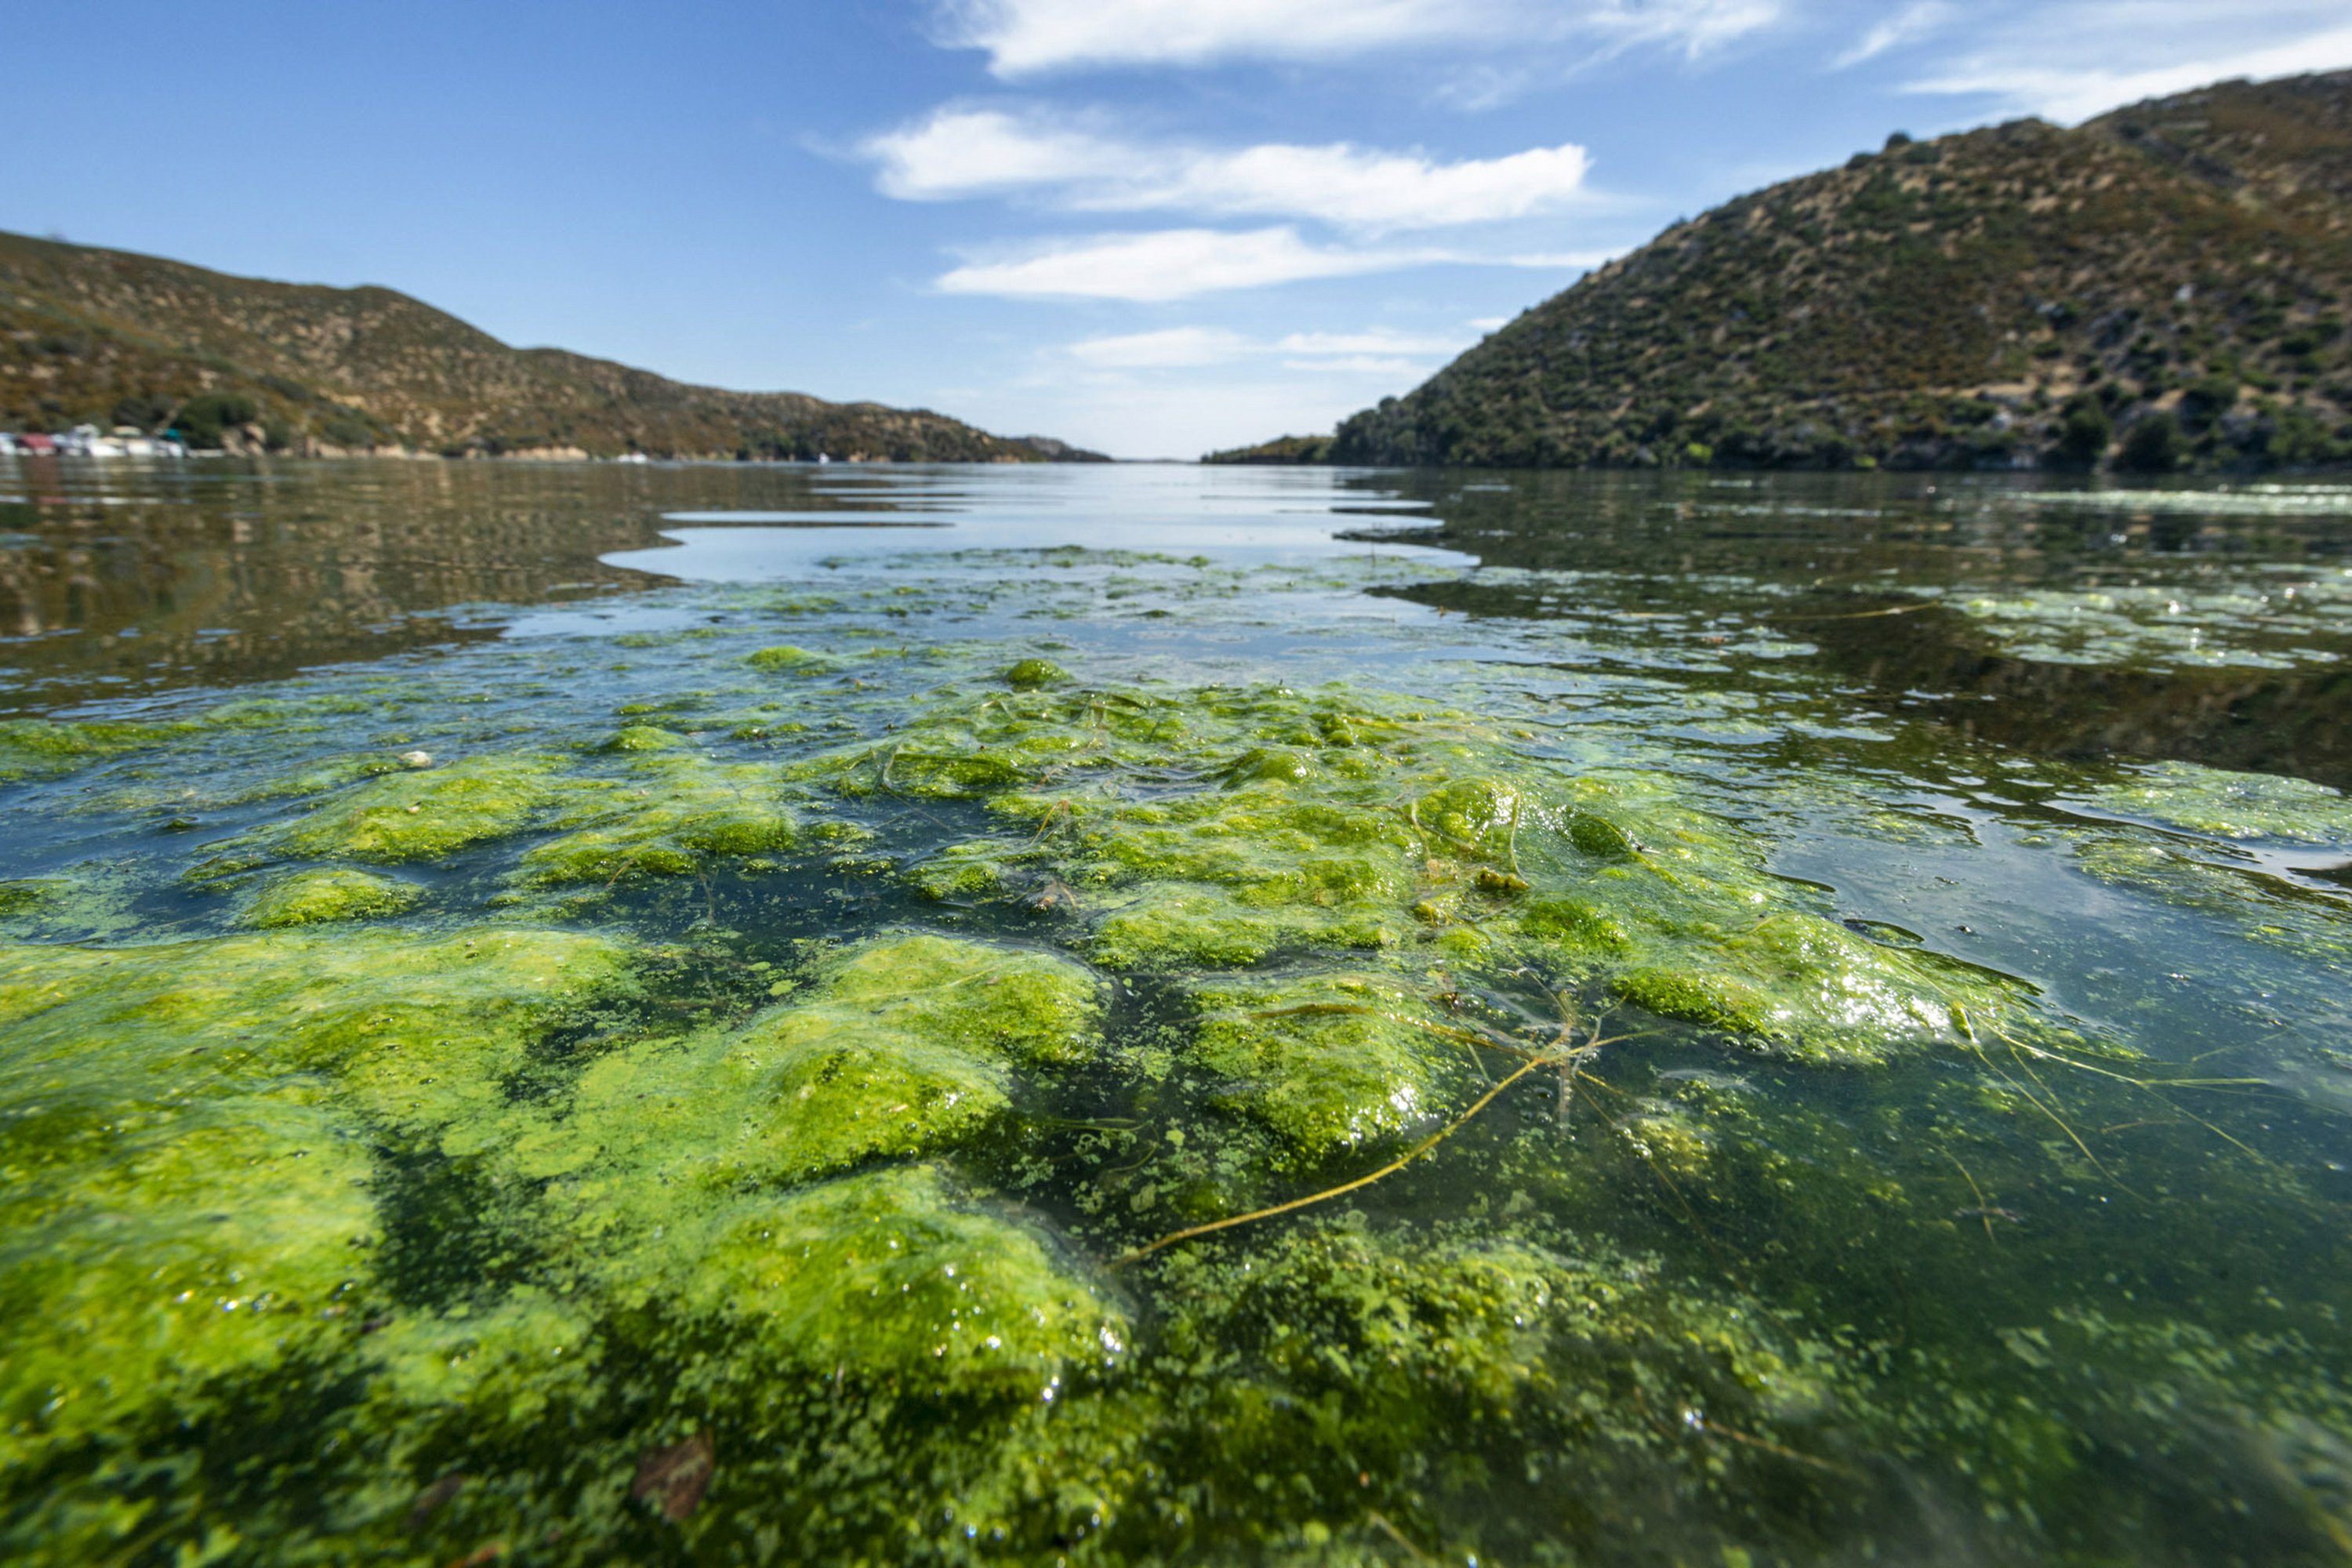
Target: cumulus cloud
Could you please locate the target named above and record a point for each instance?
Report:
(1033, 38)
(1181, 263)
(2074, 59)
(960, 153)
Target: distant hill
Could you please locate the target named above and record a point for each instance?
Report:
(2166, 286)
(111, 338)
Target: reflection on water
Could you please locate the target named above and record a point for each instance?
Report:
(2215, 633)
(114, 579)
(421, 1075)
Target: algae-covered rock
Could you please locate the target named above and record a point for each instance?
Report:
(426, 814)
(1032, 674)
(317, 898)
(899, 1046)
(830, 1089)
(1222, 829)
(38, 747)
(644, 738)
(187, 1146)
(1027, 1006)
(887, 1277)
(148, 1250)
(1179, 926)
(410, 1034)
(667, 816)
(1811, 986)
(786, 660)
(1329, 1061)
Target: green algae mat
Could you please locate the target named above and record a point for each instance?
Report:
(1246, 1047)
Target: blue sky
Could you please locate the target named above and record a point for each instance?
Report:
(1151, 227)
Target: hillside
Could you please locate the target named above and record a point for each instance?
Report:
(111, 338)
(2166, 286)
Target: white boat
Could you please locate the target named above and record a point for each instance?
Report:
(89, 441)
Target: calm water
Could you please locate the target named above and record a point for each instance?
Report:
(1953, 868)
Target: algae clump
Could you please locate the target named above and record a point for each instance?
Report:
(786, 660)
(36, 747)
(1329, 1061)
(426, 814)
(887, 1274)
(316, 898)
(1222, 829)
(667, 816)
(1030, 674)
(896, 1047)
(189, 1135)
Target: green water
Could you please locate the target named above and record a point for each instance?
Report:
(574, 1013)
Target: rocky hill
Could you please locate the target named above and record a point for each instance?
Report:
(111, 338)
(2166, 285)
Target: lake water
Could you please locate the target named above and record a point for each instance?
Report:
(576, 1013)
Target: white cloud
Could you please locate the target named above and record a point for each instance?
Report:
(964, 153)
(1027, 37)
(1381, 349)
(1910, 25)
(960, 153)
(1358, 365)
(1174, 349)
(1179, 263)
(1380, 341)
(1168, 264)
(2070, 61)
(1032, 37)
(1694, 27)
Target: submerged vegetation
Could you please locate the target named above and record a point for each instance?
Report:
(972, 1086)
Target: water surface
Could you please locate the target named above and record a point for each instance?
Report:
(564, 1012)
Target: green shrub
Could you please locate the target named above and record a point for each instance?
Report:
(2153, 446)
(205, 420)
(2084, 431)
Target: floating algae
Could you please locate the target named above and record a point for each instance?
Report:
(780, 1128)
(2265, 621)
(33, 747)
(2230, 804)
(1417, 834)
